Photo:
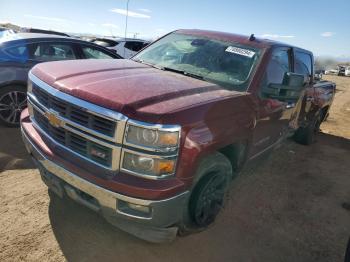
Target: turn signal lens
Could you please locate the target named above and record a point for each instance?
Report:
(148, 165)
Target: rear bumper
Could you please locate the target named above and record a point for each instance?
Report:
(158, 224)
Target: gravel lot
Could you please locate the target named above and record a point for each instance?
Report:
(288, 206)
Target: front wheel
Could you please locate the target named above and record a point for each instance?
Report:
(207, 196)
(13, 99)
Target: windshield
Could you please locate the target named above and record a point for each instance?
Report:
(224, 63)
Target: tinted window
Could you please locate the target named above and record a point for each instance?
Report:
(106, 42)
(93, 53)
(53, 52)
(134, 46)
(277, 67)
(303, 64)
(18, 52)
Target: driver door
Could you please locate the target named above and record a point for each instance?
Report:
(275, 113)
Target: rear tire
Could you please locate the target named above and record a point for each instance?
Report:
(208, 194)
(13, 99)
(307, 135)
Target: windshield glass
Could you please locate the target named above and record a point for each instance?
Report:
(224, 63)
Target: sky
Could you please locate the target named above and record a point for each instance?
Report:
(322, 26)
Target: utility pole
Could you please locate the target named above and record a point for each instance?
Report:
(126, 20)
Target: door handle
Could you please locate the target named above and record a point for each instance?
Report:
(290, 105)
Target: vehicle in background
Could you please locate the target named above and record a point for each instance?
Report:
(331, 72)
(125, 47)
(318, 74)
(153, 142)
(347, 71)
(20, 52)
(4, 32)
(341, 70)
(42, 31)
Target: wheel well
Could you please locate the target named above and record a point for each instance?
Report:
(14, 83)
(236, 154)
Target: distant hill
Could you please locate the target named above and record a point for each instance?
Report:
(11, 26)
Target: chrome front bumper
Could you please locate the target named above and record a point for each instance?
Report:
(159, 225)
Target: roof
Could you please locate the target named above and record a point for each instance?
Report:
(121, 39)
(31, 37)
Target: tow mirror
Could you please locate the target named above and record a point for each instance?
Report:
(290, 89)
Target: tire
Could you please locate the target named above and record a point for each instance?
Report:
(307, 135)
(208, 194)
(13, 99)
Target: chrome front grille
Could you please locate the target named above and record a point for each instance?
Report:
(74, 142)
(87, 130)
(74, 113)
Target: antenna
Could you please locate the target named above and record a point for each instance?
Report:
(252, 37)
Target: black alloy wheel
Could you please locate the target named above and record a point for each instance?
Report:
(12, 102)
(209, 199)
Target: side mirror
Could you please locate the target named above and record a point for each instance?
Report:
(290, 89)
(293, 81)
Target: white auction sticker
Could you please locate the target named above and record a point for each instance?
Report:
(240, 51)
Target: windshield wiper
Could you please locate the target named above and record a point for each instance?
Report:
(149, 64)
(182, 72)
(169, 69)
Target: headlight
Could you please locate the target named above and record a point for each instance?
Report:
(148, 165)
(158, 138)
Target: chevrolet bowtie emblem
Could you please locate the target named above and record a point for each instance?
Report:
(53, 119)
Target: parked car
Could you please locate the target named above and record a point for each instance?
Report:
(4, 32)
(20, 52)
(153, 144)
(318, 74)
(331, 72)
(347, 71)
(126, 47)
(341, 70)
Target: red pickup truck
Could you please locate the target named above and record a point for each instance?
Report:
(152, 143)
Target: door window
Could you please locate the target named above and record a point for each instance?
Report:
(303, 65)
(18, 52)
(93, 53)
(134, 45)
(276, 71)
(53, 52)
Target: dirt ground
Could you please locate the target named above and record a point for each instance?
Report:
(288, 206)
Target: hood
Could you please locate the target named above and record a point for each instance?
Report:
(136, 90)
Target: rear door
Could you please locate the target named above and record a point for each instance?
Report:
(303, 65)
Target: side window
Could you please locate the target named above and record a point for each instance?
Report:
(18, 52)
(93, 53)
(277, 67)
(133, 45)
(303, 65)
(53, 52)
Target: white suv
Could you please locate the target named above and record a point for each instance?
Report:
(347, 71)
(125, 47)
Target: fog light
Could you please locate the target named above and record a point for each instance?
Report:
(131, 209)
(144, 209)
